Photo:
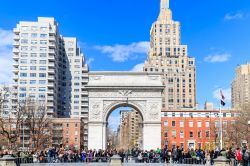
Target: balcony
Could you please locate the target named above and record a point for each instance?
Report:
(16, 43)
(52, 45)
(52, 38)
(15, 56)
(15, 70)
(85, 104)
(51, 64)
(15, 50)
(50, 84)
(16, 30)
(52, 51)
(50, 98)
(16, 37)
(51, 77)
(50, 104)
(15, 77)
(51, 92)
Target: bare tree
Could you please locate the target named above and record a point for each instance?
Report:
(10, 124)
(240, 131)
(38, 124)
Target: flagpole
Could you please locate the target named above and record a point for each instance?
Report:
(221, 144)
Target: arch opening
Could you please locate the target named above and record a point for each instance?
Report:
(124, 127)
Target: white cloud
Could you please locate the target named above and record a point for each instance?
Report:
(214, 58)
(138, 67)
(236, 16)
(121, 53)
(226, 92)
(90, 60)
(6, 39)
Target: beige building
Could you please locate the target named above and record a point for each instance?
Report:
(168, 56)
(130, 131)
(241, 86)
(49, 68)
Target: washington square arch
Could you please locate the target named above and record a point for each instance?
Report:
(138, 90)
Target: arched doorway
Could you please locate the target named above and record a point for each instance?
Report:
(124, 129)
(111, 90)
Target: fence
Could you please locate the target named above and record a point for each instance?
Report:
(127, 161)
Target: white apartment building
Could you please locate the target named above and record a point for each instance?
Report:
(241, 86)
(48, 67)
(168, 56)
(8, 98)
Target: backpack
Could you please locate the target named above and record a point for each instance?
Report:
(246, 156)
(238, 155)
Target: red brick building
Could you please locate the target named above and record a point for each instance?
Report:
(194, 128)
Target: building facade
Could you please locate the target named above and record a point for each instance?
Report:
(130, 130)
(194, 129)
(168, 56)
(49, 68)
(241, 86)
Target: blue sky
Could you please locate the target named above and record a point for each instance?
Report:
(114, 34)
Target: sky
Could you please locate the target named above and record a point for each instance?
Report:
(114, 35)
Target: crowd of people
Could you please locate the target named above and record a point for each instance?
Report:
(239, 156)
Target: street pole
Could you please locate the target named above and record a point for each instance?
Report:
(221, 144)
(23, 136)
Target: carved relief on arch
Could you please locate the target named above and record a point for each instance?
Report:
(95, 111)
(154, 111)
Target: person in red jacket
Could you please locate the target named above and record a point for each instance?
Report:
(238, 156)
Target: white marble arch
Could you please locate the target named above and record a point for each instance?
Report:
(111, 90)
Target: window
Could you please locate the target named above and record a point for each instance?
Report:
(42, 89)
(43, 35)
(22, 95)
(181, 123)
(67, 125)
(24, 41)
(43, 55)
(43, 29)
(67, 140)
(191, 134)
(173, 123)
(23, 82)
(42, 74)
(181, 134)
(32, 81)
(42, 61)
(199, 124)
(70, 49)
(33, 48)
(166, 123)
(207, 123)
(76, 125)
(22, 88)
(32, 74)
(173, 133)
(23, 74)
(42, 68)
(41, 95)
(24, 35)
(207, 134)
(23, 68)
(191, 124)
(23, 61)
(76, 132)
(32, 61)
(33, 55)
(166, 134)
(34, 35)
(76, 140)
(43, 42)
(42, 82)
(199, 134)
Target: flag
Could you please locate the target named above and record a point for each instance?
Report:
(222, 100)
